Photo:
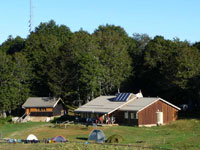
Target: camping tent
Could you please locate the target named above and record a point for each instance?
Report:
(59, 139)
(31, 137)
(97, 135)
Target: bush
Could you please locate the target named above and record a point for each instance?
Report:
(115, 139)
(5, 120)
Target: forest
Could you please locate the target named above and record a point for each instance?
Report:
(54, 61)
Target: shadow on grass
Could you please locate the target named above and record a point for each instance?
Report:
(82, 138)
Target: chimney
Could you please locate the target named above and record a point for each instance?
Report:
(139, 95)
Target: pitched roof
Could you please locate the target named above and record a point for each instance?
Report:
(105, 104)
(102, 104)
(139, 103)
(40, 102)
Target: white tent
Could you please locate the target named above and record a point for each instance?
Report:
(32, 137)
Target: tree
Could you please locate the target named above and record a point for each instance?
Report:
(197, 45)
(41, 49)
(136, 50)
(61, 32)
(113, 56)
(21, 80)
(81, 68)
(169, 65)
(14, 81)
(12, 45)
(5, 79)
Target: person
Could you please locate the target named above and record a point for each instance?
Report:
(112, 119)
(107, 121)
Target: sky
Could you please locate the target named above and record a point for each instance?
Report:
(169, 18)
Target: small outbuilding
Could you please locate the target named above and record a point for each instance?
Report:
(43, 108)
(97, 136)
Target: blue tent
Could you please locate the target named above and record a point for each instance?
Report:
(97, 135)
(59, 139)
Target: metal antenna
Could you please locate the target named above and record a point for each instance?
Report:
(31, 16)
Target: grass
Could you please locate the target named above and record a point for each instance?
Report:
(182, 134)
(66, 146)
(12, 130)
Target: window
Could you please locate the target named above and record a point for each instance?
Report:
(41, 109)
(92, 115)
(136, 116)
(132, 115)
(82, 115)
(126, 115)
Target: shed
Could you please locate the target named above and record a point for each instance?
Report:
(44, 107)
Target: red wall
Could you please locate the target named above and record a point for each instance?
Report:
(148, 115)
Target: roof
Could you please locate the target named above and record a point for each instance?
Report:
(40, 102)
(139, 103)
(102, 104)
(105, 104)
(143, 102)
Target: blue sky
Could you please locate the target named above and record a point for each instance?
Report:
(169, 18)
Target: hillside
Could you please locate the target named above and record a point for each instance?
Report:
(182, 134)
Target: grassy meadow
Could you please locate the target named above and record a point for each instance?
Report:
(182, 134)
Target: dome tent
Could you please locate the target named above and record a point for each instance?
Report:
(97, 135)
(59, 139)
(115, 139)
(31, 137)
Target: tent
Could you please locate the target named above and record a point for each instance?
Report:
(115, 139)
(31, 137)
(59, 139)
(97, 135)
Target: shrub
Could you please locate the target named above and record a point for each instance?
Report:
(5, 120)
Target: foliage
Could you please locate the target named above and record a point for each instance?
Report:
(113, 56)
(14, 81)
(6, 120)
(12, 45)
(79, 66)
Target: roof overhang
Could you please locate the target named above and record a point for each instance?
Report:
(59, 99)
(100, 112)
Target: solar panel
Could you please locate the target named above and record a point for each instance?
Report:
(122, 97)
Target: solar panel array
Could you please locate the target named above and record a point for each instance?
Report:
(122, 97)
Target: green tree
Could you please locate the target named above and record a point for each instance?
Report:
(12, 45)
(5, 81)
(41, 49)
(169, 66)
(21, 80)
(14, 81)
(81, 67)
(113, 56)
(136, 50)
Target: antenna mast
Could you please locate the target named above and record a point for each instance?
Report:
(31, 16)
